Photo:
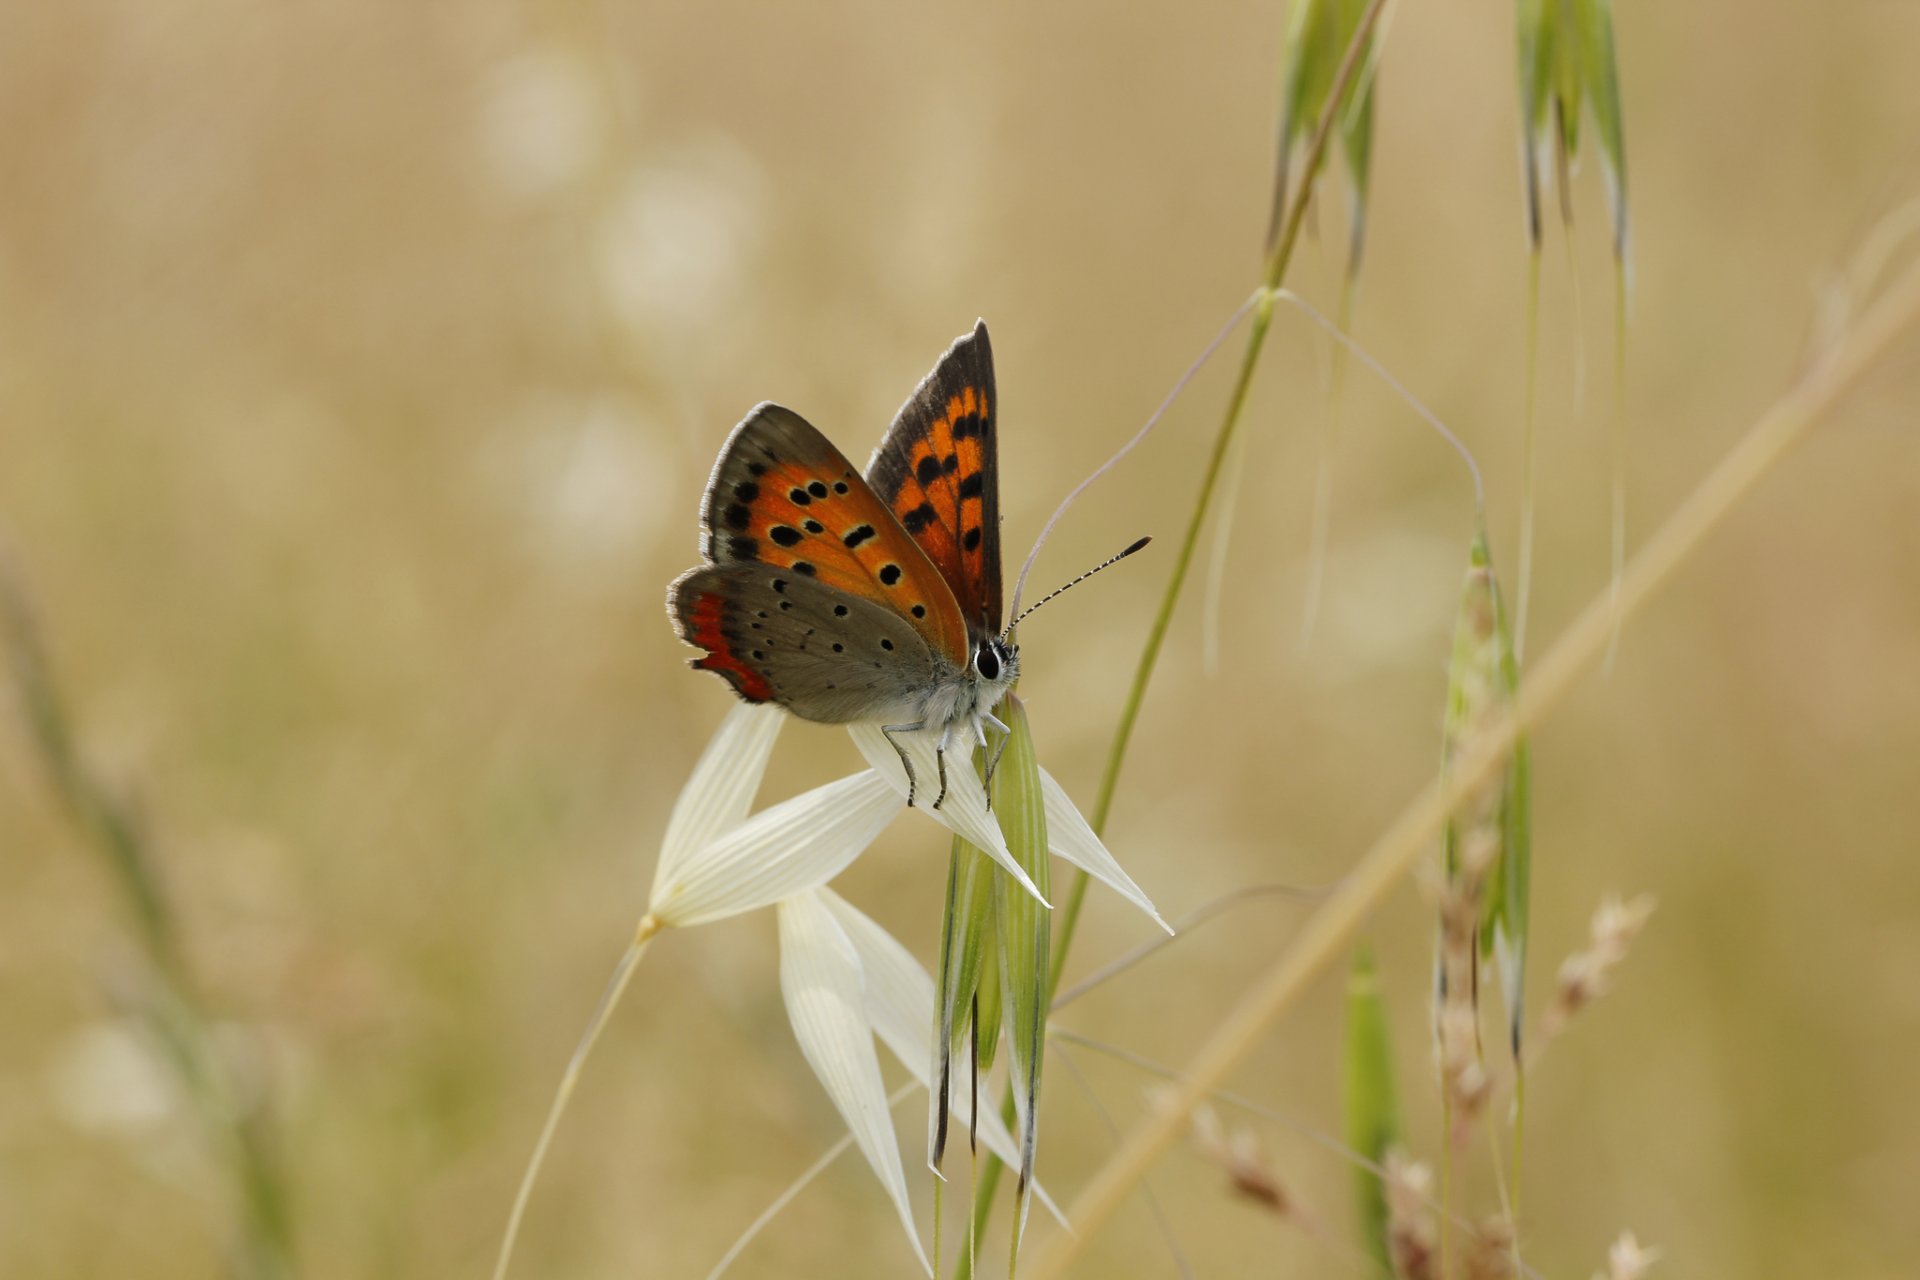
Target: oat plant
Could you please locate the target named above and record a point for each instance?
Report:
(1568, 73)
(163, 995)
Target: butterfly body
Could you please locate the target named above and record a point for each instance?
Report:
(845, 597)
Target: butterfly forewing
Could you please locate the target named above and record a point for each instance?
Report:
(784, 497)
(937, 471)
(822, 653)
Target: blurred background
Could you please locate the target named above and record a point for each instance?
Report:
(361, 366)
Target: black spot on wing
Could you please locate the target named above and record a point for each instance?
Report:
(858, 536)
(928, 471)
(785, 535)
(817, 489)
(743, 548)
(972, 486)
(972, 540)
(889, 574)
(919, 518)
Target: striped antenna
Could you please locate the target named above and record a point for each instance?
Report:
(1108, 563)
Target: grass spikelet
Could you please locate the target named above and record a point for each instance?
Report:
(1318, 38)
(1487, 853)
(1587, 974)
(1372, 1102)
(966, 929)
(1239, 1155)
(1025, 943)
(1628, 1259)
(1568, 71)
(1410, 1235)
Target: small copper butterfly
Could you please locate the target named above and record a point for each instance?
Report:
(847, 598)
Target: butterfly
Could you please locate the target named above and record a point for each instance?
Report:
(845, 597)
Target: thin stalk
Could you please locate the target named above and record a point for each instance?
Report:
(1215, 593)
(1446, 1184)
(602, 1014)
(1523, 577)
(800, 1184)
(1519, 1142)
(1323, 476)
(1617, 560)
(1327, 933)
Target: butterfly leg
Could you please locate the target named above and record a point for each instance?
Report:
(940, 759)
(888, 730)
(993, 760)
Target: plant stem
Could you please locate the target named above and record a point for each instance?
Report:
(602, 1014)
(1523, 588)
(1617, 543)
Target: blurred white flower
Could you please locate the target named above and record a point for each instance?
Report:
(106, 1080)
(539, 125)
(678, 244)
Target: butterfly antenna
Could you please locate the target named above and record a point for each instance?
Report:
(1108, 563)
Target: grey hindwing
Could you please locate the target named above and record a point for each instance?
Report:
(830, 657)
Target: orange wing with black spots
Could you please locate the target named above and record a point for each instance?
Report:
(938, 472)
(782, 495)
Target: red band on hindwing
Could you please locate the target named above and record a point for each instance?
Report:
(706, 628)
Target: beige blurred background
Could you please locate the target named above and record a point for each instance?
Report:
(360, 368)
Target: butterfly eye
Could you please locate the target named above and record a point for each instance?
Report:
(987, 662)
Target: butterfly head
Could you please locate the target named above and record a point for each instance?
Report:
(996, 665)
